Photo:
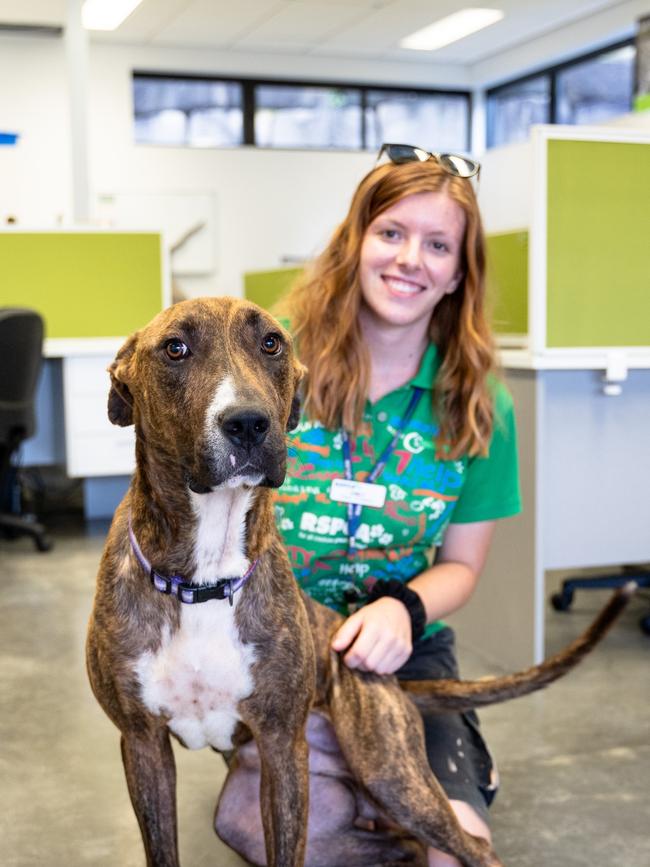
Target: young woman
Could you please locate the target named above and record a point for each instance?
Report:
(406, 453)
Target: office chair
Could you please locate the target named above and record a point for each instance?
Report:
(21, 343)
(562, 600)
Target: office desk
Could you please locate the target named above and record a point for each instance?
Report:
(585, 472)
(73, 429)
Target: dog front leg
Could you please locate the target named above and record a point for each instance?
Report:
(151, 778)
(284, 798)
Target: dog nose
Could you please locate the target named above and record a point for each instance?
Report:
(247, 429)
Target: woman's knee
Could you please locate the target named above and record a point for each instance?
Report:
(238, 820)
(470, 821)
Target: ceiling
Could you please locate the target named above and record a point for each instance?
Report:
(360, 29)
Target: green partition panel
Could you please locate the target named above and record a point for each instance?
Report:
(267, 287)
(84, 284)
(507, 281)
(598, 253)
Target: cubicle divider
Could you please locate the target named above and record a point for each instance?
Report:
(507, 283)
(86, 283)
(597, 251)
(574, 213)
(266, 288)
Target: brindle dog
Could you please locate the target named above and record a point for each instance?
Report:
(214, 643)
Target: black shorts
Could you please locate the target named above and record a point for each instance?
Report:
(456, 750)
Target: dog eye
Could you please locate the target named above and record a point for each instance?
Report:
(272, 344)
(176, 350)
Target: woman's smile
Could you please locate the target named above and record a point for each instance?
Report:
(400, 287)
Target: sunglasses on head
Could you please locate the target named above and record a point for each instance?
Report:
(453, 164)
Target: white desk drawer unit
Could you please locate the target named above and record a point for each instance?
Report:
(94, 446)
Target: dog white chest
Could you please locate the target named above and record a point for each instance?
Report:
(200, 672)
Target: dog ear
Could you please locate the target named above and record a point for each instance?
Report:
(294, 415)
(299, 371)
(120, 399)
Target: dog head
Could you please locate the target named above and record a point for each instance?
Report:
(212, 386)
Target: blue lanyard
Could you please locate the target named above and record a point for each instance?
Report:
(354, 509)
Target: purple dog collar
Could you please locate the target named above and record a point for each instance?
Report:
(183, 590)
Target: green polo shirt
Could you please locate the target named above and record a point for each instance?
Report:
(423, 494)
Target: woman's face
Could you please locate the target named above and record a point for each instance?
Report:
(411, 258)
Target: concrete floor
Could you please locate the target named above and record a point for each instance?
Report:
(574, 761)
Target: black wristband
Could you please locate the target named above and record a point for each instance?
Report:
(409, 598)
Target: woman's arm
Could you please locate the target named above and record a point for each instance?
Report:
(378, 636)
(447, 586)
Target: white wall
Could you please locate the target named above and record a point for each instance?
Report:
(270, 204)
(424, 73)
(586, 34)
(35, 183)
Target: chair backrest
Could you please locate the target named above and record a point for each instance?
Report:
(21, 355)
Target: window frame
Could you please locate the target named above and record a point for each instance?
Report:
(248, 86)
(552, 72)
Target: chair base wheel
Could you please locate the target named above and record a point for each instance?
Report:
(562, 601)
(43, 543)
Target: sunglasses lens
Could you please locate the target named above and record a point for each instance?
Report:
(457, 165)
(401, 153)
(451, 163)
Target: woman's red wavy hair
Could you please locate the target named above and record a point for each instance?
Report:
(323, 308)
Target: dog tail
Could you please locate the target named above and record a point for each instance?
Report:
(462, 695)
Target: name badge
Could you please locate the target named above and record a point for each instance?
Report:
(358, 493)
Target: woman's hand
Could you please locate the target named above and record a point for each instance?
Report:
(378, 637)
